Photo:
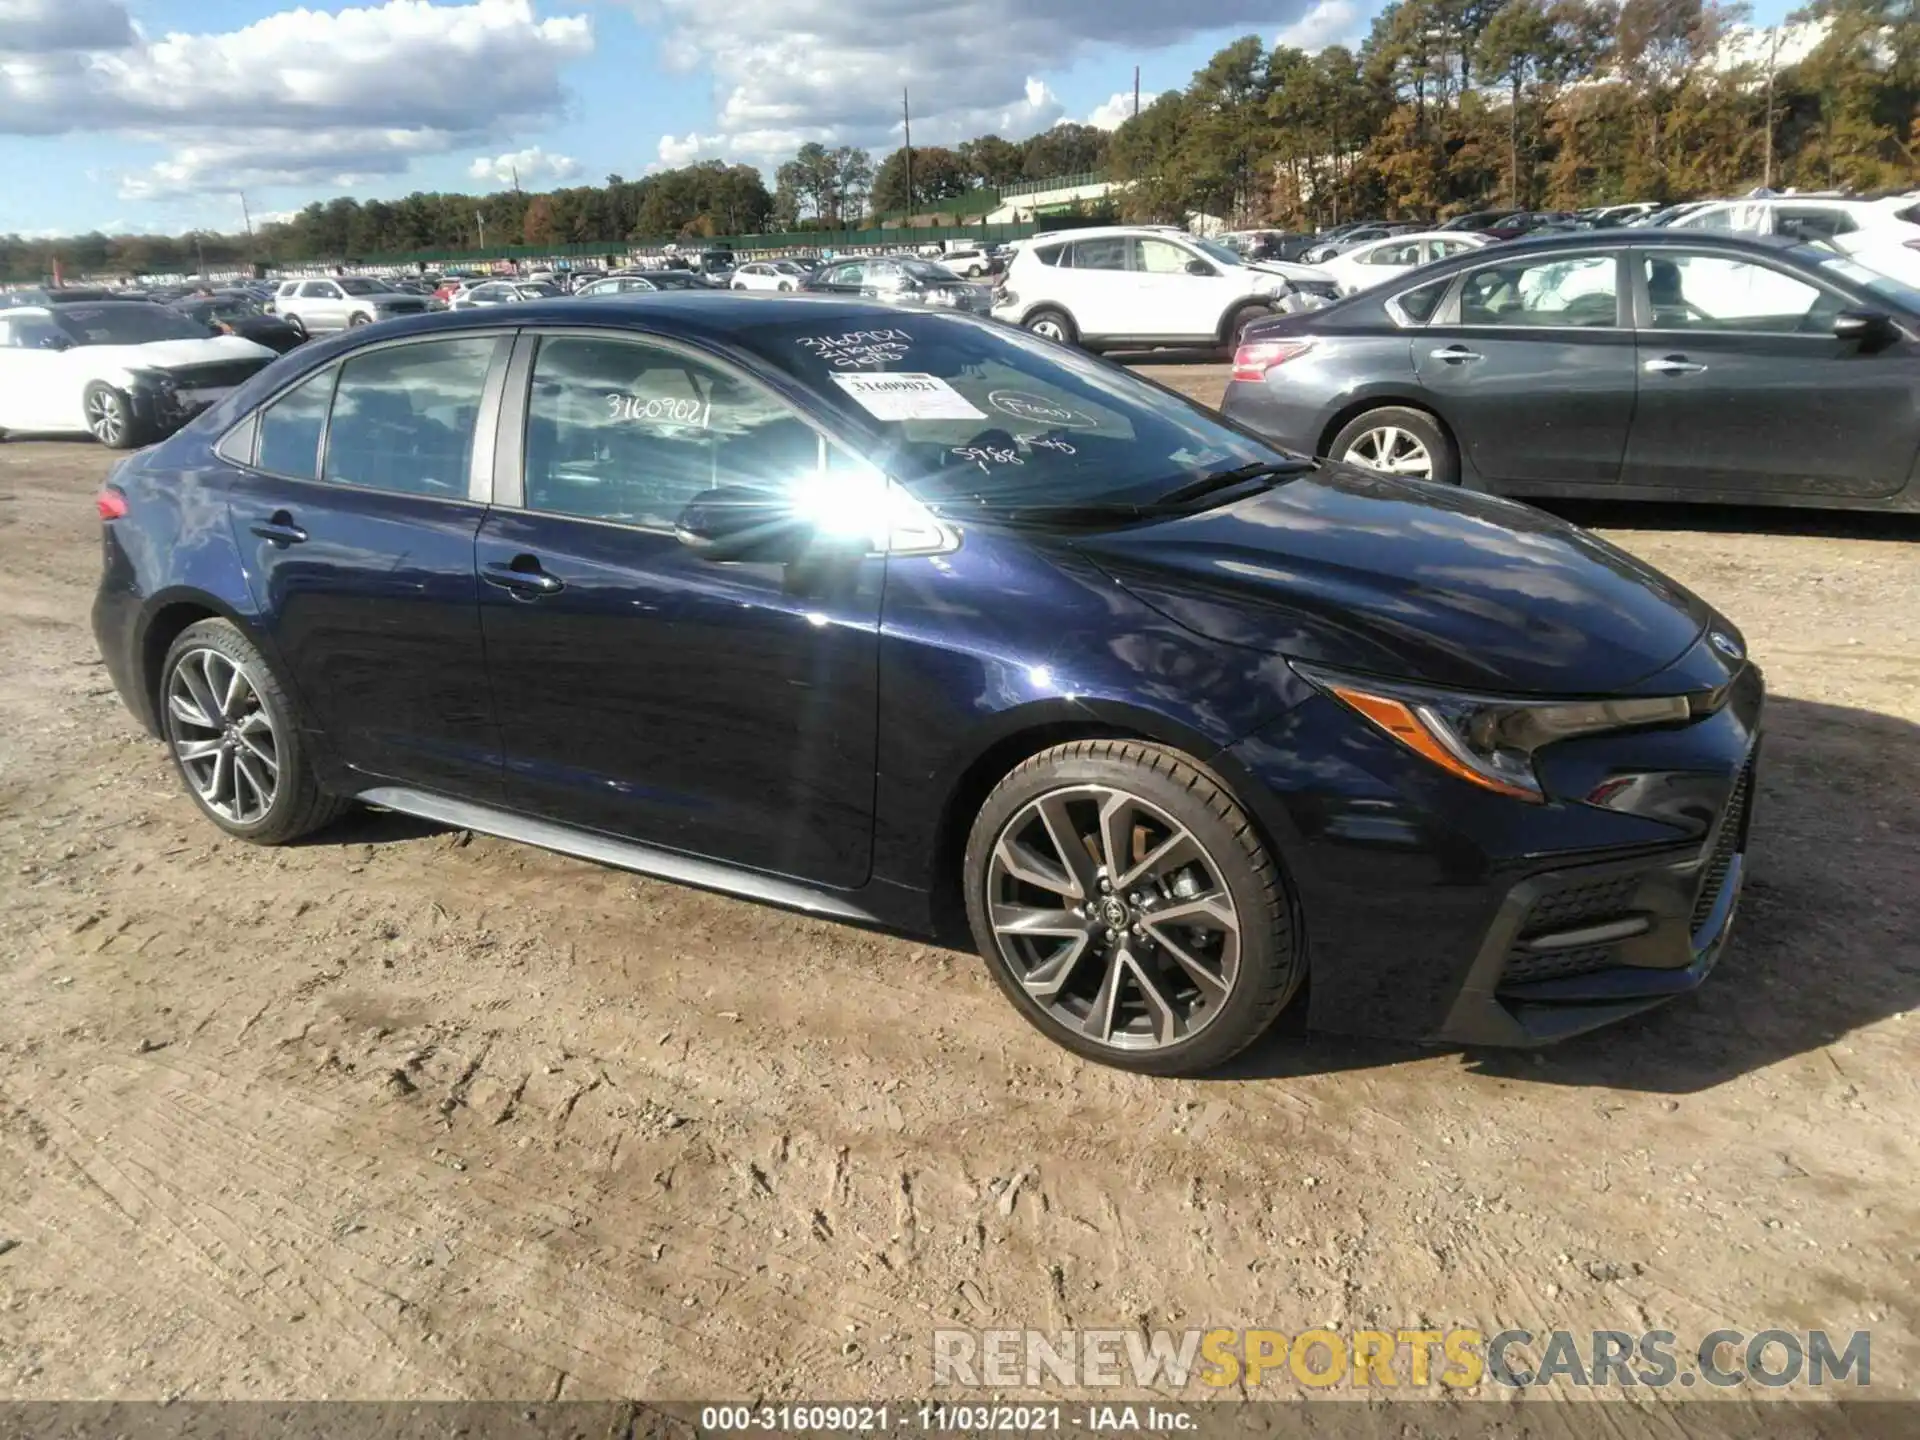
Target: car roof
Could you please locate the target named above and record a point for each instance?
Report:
(1101, 232)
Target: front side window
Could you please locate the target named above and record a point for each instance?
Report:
(629, 432)
(1812, 222)
(1402, 254)
(1721, 292)
(291, 427)
(404, 416)
(1561, 291)
(1163, 257)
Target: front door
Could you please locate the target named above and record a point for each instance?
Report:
(41, 386)
(1530, 361)
(1182, 294)
(1745, 389)
(719, 709)
(355, 520)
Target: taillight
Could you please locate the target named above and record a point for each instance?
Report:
(1255, 358)
(111, 503)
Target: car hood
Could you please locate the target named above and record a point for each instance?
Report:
(1412, 580)
(1287, 269)
(173, 354)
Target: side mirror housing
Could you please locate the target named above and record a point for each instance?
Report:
(736, 523)
(1199, 267)
(1869, 327)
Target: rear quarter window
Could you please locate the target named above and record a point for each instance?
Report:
(1049, 254)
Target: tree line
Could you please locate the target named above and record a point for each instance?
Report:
(1446, 106)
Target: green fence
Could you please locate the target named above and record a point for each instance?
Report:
(1057, 182)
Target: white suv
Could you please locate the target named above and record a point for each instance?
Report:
(1113, 287)
(1883, 235)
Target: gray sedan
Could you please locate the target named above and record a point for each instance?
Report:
(1638, 364)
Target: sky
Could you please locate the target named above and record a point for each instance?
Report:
(163, 115)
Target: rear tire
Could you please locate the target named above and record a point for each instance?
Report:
(1171, 966)
(1051, 323)
(235, 741)
(1398, 440)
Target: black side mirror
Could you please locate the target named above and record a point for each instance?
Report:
(736, 523)
(1199, 267)
(1869, 327)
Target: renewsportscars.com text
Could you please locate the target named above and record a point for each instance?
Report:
(1388, 1359)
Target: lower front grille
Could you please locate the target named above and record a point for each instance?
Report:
(1727, 843)
(1524, 966)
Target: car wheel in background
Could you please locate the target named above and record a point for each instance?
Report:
(231, 731)
(298, 326)
(110, 418)
(1051, 324)
(1127, 907)
(359, 317)
(1237, 323)
(1398, 440)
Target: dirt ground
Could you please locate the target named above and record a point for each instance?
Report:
(405, 1112)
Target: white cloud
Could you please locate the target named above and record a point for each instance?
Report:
(523, 166)
(833, 70)
(34, 27)
(1330, 22)
(304, 96)
(1113, 113)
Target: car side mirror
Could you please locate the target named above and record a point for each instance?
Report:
(737, 523)
(1199, 267)
(1866, 326)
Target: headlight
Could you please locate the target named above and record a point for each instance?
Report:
(158, 380)
(1485, 740)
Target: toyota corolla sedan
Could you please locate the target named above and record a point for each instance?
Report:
(912, 619)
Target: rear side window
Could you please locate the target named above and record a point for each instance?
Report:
(291, 427)
(1418, 306)
(1812, 223)
(628, 432)
(403, 417)
(1109, 253)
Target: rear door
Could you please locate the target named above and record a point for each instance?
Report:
(1096, 283)
(1744, 388)
(355, 503)
(719, 709)
(1530, 360)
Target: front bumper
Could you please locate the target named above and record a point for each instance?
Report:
(1436, 911)
(1572, 950)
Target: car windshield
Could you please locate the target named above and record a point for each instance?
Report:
(979, 415)
(1884, 287)
(1225, 254)
(928, 270)
(130, 322)
(539, 288)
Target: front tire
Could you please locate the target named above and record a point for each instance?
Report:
(1237, 323)
(1051, 323)
(232, 733)
(1398, 440)
(1127, 907)
(357, 319)
(110, 418)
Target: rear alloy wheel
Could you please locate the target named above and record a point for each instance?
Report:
(1396, 440)
(110, 418)
(233, 738)
(1125, 904)
(1054, 325)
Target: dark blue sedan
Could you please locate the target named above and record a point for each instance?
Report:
(915, 620)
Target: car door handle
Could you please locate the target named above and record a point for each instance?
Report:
(1673, 365)
(1456, 352)
(279, 529)
(522, 576)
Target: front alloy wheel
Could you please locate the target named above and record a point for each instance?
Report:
(109, 416)
(1114, 917)
(1127, 906)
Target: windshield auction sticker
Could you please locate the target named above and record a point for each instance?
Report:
(908, 396)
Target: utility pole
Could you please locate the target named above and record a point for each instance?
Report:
(1773, 54)
(1136, 92)
(246, 219)
(906, 123)
(515, 169)
(480, 219)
